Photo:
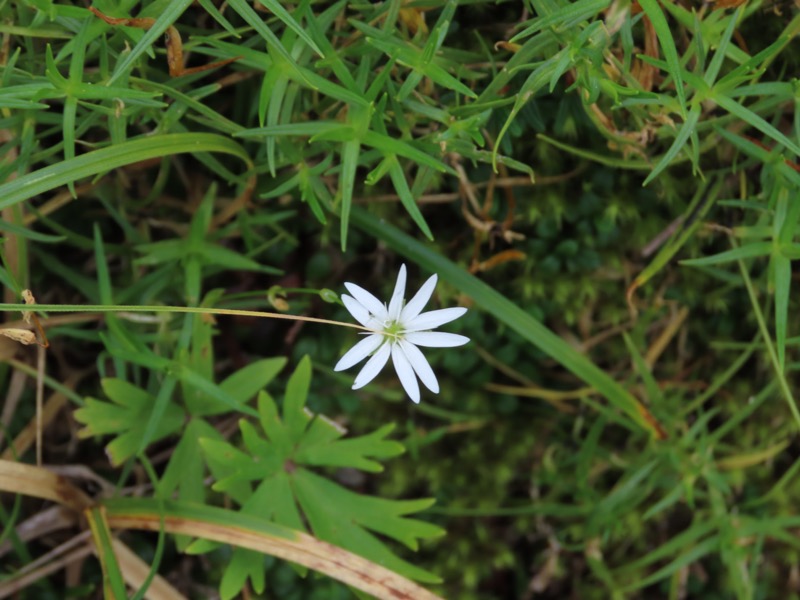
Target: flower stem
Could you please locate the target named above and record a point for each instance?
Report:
(171, 309)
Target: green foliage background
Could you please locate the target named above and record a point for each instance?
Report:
(610, 187)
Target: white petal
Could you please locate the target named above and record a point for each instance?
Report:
(355, 308)
(359, 352)
(396, 303)
(368, 301)
(374, 324)
(373, 367)
(405, 372)
(420, 299)
(434, 318)
(436, 339)
(421, 366)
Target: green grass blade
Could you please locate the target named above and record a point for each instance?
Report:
(112, 157)
(389, 145)
(23, 231)
(753, 250)
(719, 56)
(651, 385)
(257, 22)
(686, 557)
(783, 384)
(350, 152)
(569, 16)
(171, 12)
(315, 128)
(103, 277)
(404, 193)
(158, 555)
(277, 9)
(192, 100)
(761, 154)
(113, 582)
(330, 55)
(700, 205)
(603, 159)
(756, 121)
(784, 227)
(212, 10)
(659, 21)
(686, 130)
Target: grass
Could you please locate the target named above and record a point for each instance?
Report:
(609, 188)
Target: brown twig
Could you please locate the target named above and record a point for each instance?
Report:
(172, 39)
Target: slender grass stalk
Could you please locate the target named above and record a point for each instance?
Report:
(773, 355)
(101, 308)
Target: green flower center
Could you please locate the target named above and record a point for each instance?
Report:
(392, 328)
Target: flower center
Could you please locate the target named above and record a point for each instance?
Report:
(392, 328)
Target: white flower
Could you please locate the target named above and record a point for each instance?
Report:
(399, 328)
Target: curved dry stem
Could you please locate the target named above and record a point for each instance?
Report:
(219, 525)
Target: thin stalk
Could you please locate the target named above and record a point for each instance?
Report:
(52, 383)
(773, 355)
(173, 309)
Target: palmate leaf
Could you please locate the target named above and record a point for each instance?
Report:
(278, 456)
(126, 415)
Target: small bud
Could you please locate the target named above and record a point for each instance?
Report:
(329, 296)
(277, 298)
